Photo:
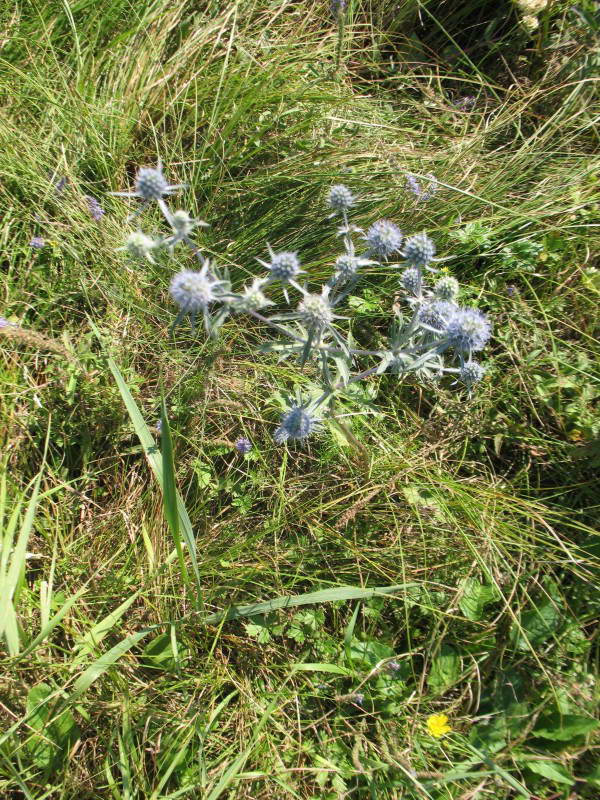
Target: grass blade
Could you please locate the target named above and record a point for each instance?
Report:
(292, 601)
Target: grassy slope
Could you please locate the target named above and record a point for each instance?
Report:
(243, 104)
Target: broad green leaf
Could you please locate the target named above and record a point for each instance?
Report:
(536, 626)
(551, 770)
(159, 654)
(369, 653)
(292, 601)
(445, 669)
(474, 597)
(56, 734)
(563, 728)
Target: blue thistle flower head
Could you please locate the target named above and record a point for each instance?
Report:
(195, 291)
(446, 288)
(384, 238)
(340, 198)
(437, 314)
(315, 312)
(468, 330)
(419, 250)
(243, 445)
(471, 373)
(296, 423)
(284, 266)
(411, 280)
(150, 183)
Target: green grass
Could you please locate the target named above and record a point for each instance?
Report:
(455, 539)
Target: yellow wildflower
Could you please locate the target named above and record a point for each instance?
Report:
(437, 725)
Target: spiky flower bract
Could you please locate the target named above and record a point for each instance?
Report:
(384, 238)
(315, 312)
(437, 314)
(140, 246)
(182, 225)
(419, 250)
(194, 291)
(252, 298)
(340, 198)
(446, 288)
(411, 280)
(346, 267)
(297, 423)
(468, 330)
(471, 373)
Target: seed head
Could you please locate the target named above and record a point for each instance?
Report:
(340, 198)
(315, 310)
(471, 373)
(296, 423)
(419, 250)
(411, 280)
(194, 291)
(446, 288)
(468, 330)
(384, 238)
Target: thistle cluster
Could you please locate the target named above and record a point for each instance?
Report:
(432, 335)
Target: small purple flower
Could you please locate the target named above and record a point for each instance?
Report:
(358, 698)
(393, 666)
(94, 207)
(158, 426)
(4, 323)
(465, 103)
(243, 445)
(413, 185)
(37, 242)
(60, 184)
(512, 291)
(338, 7)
